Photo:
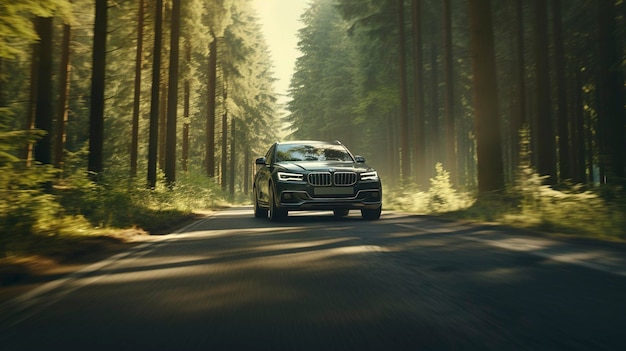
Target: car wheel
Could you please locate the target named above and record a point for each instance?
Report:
(258, 211)
(371, 214)
(275, 213)
(341, 212)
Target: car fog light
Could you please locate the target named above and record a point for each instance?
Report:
(375, 195)
(287, 196)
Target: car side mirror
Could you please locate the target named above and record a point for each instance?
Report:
(359, 159)
(261, 161)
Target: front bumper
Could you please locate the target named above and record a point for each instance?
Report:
(303, 196)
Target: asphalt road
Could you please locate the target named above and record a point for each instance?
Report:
(313, 282)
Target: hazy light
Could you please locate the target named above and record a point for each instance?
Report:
(281, 20)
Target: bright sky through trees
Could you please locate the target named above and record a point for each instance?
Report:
(281, 21)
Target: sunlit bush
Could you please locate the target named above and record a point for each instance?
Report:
(409, 199)
(571, 208)
(528, 203)
(196, 191)
(121, 201)
(41, 206)
(441, 196)
(24, 203)
(34, 201)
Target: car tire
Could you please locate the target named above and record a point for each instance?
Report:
(371, 214)
(341, 212)
(258, 211)
(275, 213)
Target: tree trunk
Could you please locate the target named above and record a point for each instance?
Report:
(387, 159)
(96, 119)
(32, 92)
(405, 161)
(224, 149)
(233, 160)
(589, 148)
(172, 99)
(611, 115)
(451, 163)
(419, 138)
(154, 99)
(578, 133)
(186, 102)
(435, 140)
(162, 122)
(64, 89)
(518, 119)
(43, 104)
(565, 171)
(246, 171)
(185, 156)
(396, 152)
(134, 144)
(546, 146)
(488, 134)
(211, 105)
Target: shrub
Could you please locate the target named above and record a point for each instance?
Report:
(24, 201)
(570, 209)
(442, 197)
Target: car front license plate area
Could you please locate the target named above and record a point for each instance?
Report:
(333, 190)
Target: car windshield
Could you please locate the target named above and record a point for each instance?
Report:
(305, 152)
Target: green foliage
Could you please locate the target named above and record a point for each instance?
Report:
(24, 202)
(195, 191)
(43, 202)
(441, 196)
(10, 141)
(323, 88)
(345, 86)
(408, 199)
(569, 209)
(529, 203)
(34, 203)
(16, 27)
(120, 202)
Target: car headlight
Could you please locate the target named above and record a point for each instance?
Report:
(369, 175)
(290, 177)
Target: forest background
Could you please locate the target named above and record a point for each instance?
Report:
(136, 113)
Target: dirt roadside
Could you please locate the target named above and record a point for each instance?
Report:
(21, 274)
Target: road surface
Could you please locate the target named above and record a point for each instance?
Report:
(314, 282)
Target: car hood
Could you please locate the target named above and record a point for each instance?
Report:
(313, 166)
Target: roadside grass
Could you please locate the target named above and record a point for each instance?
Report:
(569, 209)
(65, 220)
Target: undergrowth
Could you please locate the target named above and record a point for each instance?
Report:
(37, 206)
(441, 196)
(572, 209)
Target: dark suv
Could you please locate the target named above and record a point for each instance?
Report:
(315, 175)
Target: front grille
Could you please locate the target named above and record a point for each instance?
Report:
(320, 179)
(345, 178)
